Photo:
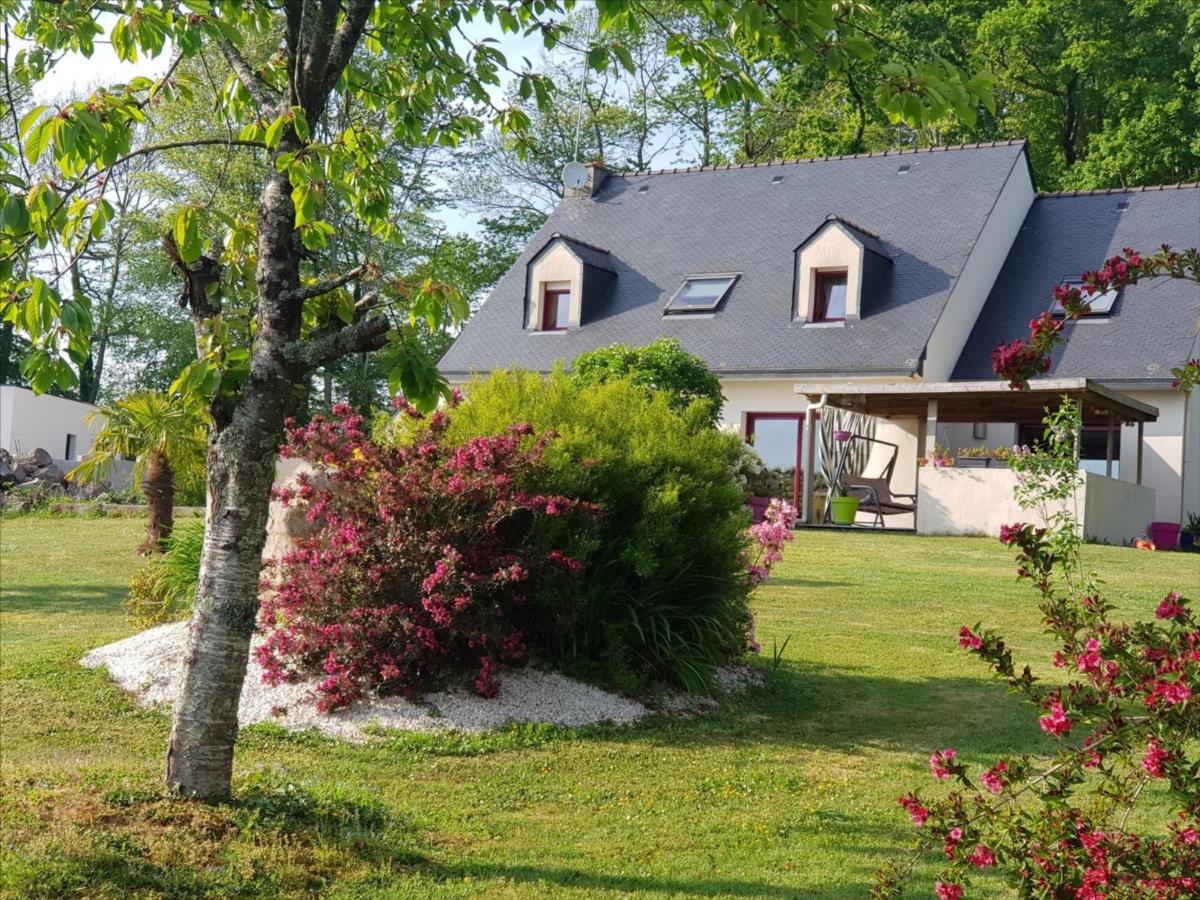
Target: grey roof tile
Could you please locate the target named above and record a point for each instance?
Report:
(1153, 325)
(736, 220)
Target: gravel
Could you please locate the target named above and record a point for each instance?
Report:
(149, 665)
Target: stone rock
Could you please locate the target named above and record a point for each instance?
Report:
(50, 474)
(33, 460)
(7, 475)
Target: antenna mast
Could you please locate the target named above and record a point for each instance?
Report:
(583, 76)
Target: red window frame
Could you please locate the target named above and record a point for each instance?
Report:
(753, 417)
(550, 310)
(821, 297)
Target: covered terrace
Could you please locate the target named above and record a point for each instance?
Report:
(965, 501)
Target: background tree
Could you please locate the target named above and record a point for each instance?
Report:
(166, 440)
(272, 296)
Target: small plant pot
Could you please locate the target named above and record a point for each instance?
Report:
(843, 510)
(758, 508)
(842, 436)
(1165, 535)
(1187, 540)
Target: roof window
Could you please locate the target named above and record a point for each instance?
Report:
(1099, 304)
(700, 294)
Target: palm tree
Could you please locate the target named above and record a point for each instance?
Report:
(166, 437)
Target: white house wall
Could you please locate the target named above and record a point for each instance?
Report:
(975, 281)
(29, 421)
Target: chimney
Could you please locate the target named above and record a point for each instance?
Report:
(596, 176)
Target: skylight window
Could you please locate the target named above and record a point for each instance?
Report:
(700, 294)
(1100, 304)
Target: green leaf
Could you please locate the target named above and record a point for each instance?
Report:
(29, 118)
(300, 123)
(275, 131)
(186, 232)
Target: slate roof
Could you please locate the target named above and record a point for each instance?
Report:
(734, 219)
(1153, 325)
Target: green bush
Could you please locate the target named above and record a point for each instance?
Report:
(164, 586)
(662, 365)
(664, 595)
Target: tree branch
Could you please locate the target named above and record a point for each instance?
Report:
(307, 292)
(264, 95)
(346, 40)
(362, 336)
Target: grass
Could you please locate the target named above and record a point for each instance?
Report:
(788, 792)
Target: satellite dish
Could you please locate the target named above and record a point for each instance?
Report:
(574, 175)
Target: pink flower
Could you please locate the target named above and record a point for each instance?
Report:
(1170, 608)
(993, 779)
(1155, 756)
(940, 762)
(1056, 723)
(916, 811)
(969, 640)
(983, 857)
(1173, 692)
(1089, 660)
(953, 836)
(946, 891)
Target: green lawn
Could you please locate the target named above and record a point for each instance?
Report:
(787, 792)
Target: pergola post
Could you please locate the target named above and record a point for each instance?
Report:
(931, 421)
(806, 465)
(1141, 429)
(1108, 447)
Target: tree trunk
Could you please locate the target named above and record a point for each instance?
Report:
(242, 449)
(159, 487)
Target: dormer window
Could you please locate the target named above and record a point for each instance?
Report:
(1098, 304)
(830, 305)
(556, 306)
(700, 294)
(838, 268)
(566, 282)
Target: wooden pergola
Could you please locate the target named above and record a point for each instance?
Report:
(970, 401)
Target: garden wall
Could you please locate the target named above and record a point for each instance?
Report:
(979, 501)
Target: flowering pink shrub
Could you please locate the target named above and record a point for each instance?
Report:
(770, 536)
(1124, 721)
(418, 570)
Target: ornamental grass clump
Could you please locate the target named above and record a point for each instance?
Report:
(1076, 824)
(422, 566)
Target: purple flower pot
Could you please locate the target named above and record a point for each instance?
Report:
(1165, 535)
(842, 436)
(758, 508)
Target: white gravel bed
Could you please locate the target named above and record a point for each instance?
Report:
(149, 666)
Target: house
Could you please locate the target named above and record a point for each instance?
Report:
(862, 279)
(57, 425)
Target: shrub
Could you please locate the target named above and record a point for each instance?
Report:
(662, 365)
(1124, 720)
(421, 568)
(164, 586)
(665, 587)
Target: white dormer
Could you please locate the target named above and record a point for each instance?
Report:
(563, 278)
(833, 266)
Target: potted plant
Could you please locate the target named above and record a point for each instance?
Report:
(982, 457)
(1187, 534)
(937, 458)
(843, 508)
(820, 493)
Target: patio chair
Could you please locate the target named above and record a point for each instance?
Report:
(874, 493)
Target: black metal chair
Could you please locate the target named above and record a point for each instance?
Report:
(875, 493)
